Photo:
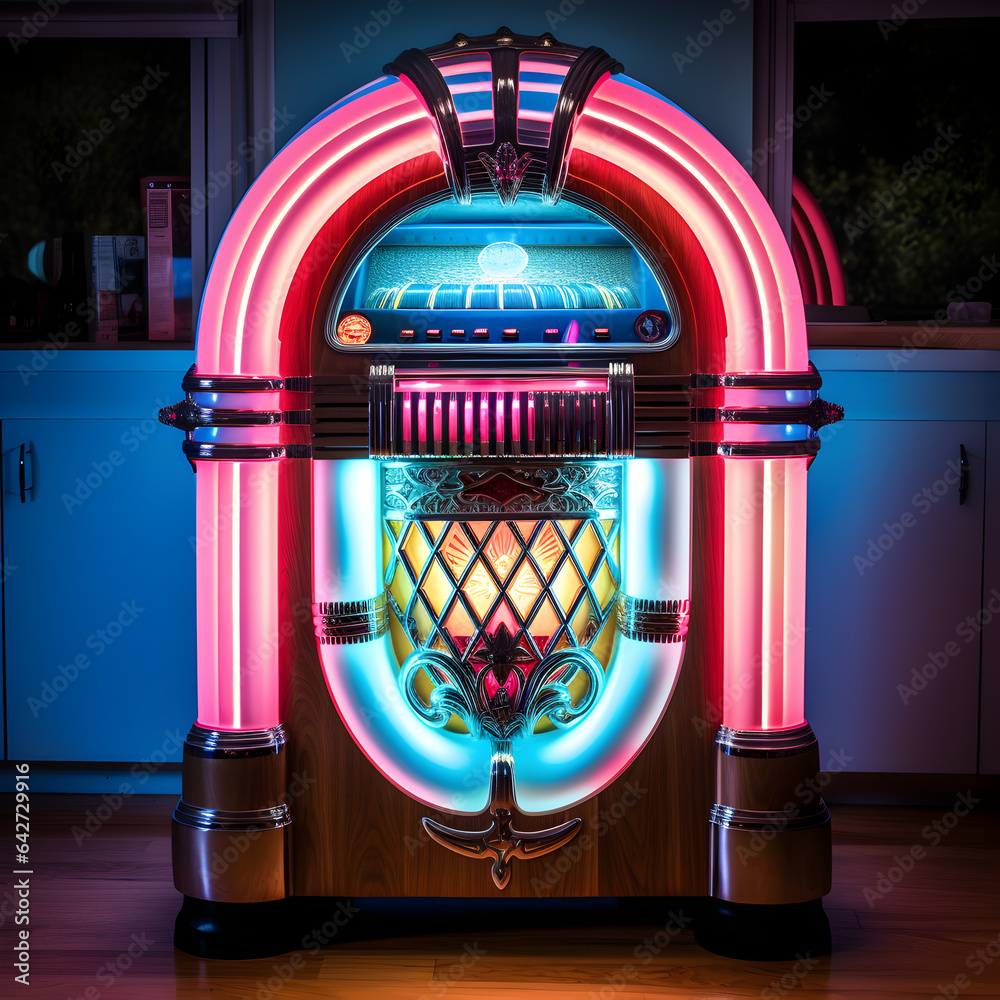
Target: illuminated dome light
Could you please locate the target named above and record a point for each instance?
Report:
(503, 260)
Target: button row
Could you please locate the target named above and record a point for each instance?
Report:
(552, 334)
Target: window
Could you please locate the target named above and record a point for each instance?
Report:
(226, 74)
(904, 157)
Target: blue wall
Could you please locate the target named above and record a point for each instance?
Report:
(319, 58)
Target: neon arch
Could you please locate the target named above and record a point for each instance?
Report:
(291, 230)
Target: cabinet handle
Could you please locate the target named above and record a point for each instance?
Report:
(20, 474)
(963, 475)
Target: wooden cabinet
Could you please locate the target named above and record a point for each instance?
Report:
(898, 576)
(99, 596)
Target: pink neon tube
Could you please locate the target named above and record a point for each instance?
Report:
(803, 198)
(237, 572)
(763, 653)
(694, 172)
(302, 187)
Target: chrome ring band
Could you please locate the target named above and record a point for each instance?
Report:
(216, 743)
(773, 743)
(754, 821)
(232, 821)
(652, 620)
(341, 623)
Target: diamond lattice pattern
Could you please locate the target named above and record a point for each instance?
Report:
(452, 583)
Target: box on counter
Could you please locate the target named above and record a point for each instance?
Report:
(166, 209)
(118, 275)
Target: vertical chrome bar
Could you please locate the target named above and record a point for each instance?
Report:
(437, 428)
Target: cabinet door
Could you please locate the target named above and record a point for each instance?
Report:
(894, 572)
(989, 709)
(99, 595)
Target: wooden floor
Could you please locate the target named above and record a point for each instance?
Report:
(91, 902)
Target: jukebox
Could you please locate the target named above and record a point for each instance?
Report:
(501, 420)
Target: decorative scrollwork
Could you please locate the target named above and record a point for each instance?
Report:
(462, 688)
(418, 489)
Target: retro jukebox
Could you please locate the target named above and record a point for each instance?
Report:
(501, 420)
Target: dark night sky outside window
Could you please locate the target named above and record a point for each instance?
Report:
(60, 93)
(905, 157)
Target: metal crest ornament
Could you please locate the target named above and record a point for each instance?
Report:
(514, 708)
(500, 842)
(506, 171)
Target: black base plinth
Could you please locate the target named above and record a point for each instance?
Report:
(764, 933)
(259, 930)
(234, 930)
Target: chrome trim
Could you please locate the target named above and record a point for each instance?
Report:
(760, 380)
(621, 409)
(193, 382)
(203, 742)
(188, 415)
(770, 864)
(244, 452)
(381, 379)
(568, 423)
(770, 449)
(651, 620)
(232, 821)
(230, 865)
(753, 820)
(341, 623)
(817, 414)
(771, 743)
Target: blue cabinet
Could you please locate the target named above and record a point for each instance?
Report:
(99, 594)
(896, 648)
(895, 567)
